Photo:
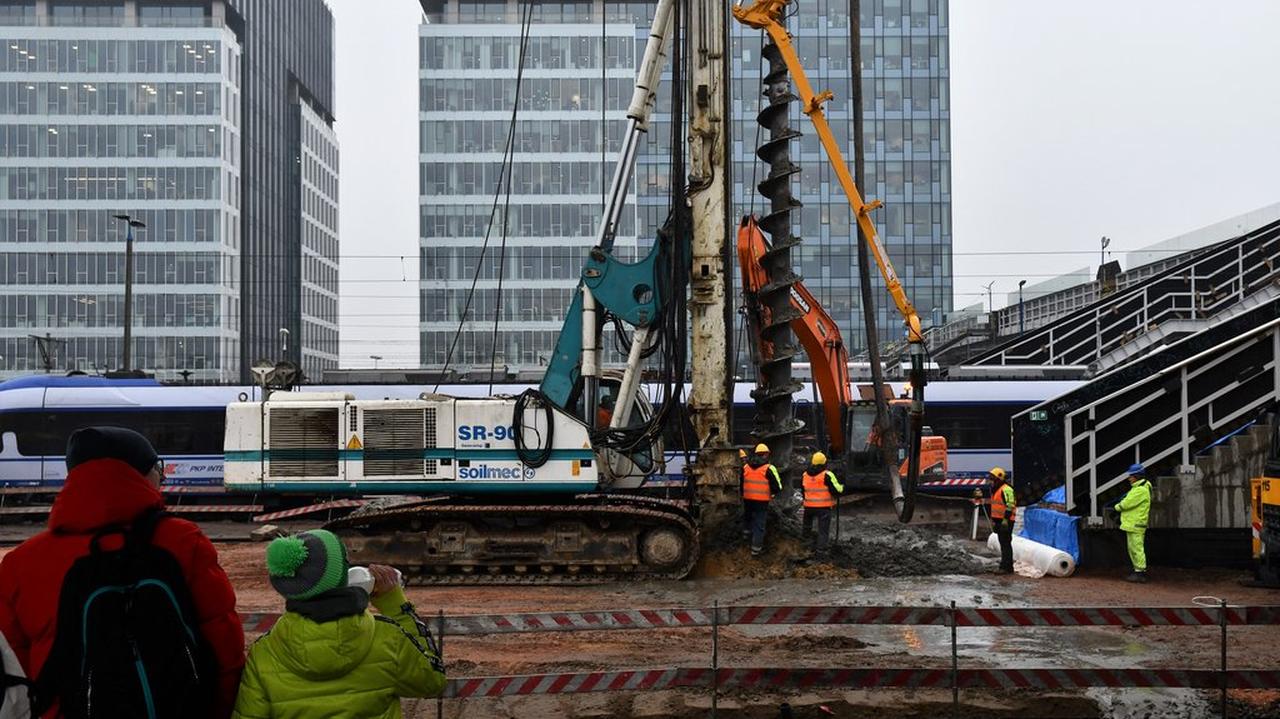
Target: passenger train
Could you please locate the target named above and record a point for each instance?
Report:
(187, 423)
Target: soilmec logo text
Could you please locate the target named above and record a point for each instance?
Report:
(485, 471)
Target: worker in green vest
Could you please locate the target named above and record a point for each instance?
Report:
(1134, 509)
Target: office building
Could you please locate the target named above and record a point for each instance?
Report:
(467, 66)
(153, 109)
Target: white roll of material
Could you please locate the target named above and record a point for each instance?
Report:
(1046, 559)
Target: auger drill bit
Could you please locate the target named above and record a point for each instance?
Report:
(776, 424)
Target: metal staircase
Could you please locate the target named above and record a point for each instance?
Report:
(1159, 409)
(1198, 290)
(1172, 331)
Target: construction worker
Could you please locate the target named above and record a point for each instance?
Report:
(1134, 510)
(1004, 509)
(760, 483)
(604, 413)
(821, 488)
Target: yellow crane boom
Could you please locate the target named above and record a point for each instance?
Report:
(767, 15)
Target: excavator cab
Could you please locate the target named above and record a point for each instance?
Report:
(864, 463)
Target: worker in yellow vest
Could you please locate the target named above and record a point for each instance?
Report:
(760, 483)
(1135, 509)
(1004, 509)
(821, 490)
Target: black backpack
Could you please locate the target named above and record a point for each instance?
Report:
(128, 643)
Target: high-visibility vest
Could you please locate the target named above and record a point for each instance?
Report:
(816, 492)
(1003, 506)
(755, 483)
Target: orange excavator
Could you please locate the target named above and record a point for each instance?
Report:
(779, 51)
(848, 411)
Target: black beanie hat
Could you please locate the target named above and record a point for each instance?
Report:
(119, 443)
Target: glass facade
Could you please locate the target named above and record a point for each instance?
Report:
(572, 102)
(467, 66)
(153, 108)
(907, 145)
(318, 188)
(289, 51)
(100, 117)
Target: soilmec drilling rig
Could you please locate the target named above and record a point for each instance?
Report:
(532, 489)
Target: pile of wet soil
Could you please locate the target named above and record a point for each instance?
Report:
(1253, 704)
(867, 547)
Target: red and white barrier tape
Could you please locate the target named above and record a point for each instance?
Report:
(259, 622)
(309, 509)
(916, 616)
(862, 678)
(483, 624)
(576, 621)
(1099, 617)
(955, 482)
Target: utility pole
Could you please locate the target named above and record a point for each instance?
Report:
(1022, 325)
(888, 448)
(130, 223)
(991, 307)
(710, 308)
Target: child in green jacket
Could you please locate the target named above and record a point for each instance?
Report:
(328, 655)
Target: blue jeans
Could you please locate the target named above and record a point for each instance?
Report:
(755, 515)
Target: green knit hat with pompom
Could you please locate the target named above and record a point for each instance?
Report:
(307, 564)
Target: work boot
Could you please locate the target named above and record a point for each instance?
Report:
(757, 551)
(1006, 570)
(1137, 578)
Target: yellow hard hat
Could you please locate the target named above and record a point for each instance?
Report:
(819, 459)
(742, 454)
(997, 473)
(762, 448)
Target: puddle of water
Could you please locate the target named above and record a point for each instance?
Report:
(1151, 703)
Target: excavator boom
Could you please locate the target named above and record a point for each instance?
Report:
(816, 330)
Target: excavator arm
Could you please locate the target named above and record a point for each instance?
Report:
(768, 15)
(814, 328)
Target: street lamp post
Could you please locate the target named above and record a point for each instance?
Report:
(1022, 324)
(130, 223)
(375, 359)
(990, 305)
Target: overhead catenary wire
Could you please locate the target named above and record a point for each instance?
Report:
(508, 159)
(497, 193)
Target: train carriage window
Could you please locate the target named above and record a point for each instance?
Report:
(172, 432)
(972, 426)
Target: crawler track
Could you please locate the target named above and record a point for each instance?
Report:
(589, 539)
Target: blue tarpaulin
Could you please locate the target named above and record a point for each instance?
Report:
(1055, 496)
(1049, 526)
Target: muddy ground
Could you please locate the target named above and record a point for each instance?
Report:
(878, 562)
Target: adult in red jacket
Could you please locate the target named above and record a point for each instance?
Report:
(113, 476)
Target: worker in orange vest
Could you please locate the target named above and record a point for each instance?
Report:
(1004, 508)
(604, 413)
(821, 488)
(760, 483)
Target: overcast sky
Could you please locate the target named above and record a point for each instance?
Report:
(1138, 120)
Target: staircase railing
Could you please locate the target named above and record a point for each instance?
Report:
(1198, 289)
(1159, 410)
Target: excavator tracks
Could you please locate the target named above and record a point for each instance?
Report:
(591, 539)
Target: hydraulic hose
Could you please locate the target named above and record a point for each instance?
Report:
(539, 456)
(904, 496)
